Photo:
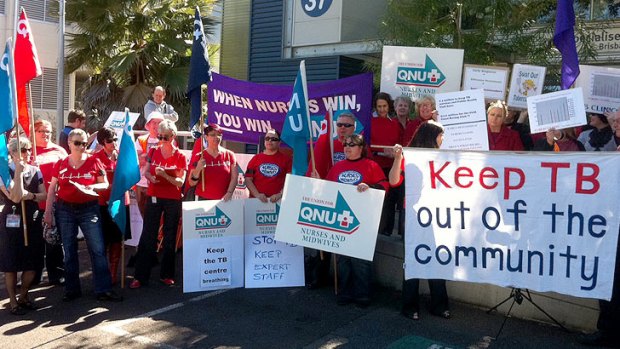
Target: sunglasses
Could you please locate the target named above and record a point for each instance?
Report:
(351, 144)
(111, 140)
(214, 134)
(46, 132)
(26, 150)
(80, 144)
(342, 124)
(272, 139)
(164, 138)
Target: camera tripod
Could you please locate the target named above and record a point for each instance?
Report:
(518, 295)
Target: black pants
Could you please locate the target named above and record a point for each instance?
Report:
(609, 316)
(439, 296)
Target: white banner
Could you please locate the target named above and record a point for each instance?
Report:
(601, 88)
(418, 71)
(269, 263)
(492, 80)
(526, 81)
(212, 245)
(464, 119)
(330, 216)
(542, 221)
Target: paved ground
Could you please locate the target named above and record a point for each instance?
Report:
(163, 317)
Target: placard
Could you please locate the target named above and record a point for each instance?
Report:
(269, 263)
(330, 216)
(212, 245)
(526, 81)
(493, 80)
(561, 109)
(601, 88)
(464, 119)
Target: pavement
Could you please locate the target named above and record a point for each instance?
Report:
(159, 316)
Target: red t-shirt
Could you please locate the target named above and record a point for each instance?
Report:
(384, 132)
(358, 171)
(322, 155)
(47, 157)
(412, 128)
(268, 172)
(217, 174)
(86, 175)
(174, 166)
(406, 132)
(110, 167)
(505, 139)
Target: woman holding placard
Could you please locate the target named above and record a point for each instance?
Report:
(429, 135)
(354, 275)
(500, 136)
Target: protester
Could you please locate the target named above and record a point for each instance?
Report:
(429, 135)
(112, 235)
(266, 172)
(345, 126)
(354, 274)
(47, 155)
(500, 136)
(614, 122)
(158, 104)
(402, 106)
(214, 170)
(74, 186)
(559, 140)
(424, 110)
(144, 144)
(165, 170)
(600, 137)
(75, 119)
(15, 256)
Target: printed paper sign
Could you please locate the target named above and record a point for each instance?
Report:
(269, 263)
(546, 222)
(212, 245)
(418, 71)
(601, 88)
(463, 116)
(116, 120)
(330, 216)
(492, 80)
(559, 110)
(526, 81)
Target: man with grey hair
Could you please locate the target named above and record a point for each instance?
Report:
(158, 104)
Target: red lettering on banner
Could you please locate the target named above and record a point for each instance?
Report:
(463, 172)
(436, 175)
(488, 172)
(554, 166)
(590, 178)
(507, 186)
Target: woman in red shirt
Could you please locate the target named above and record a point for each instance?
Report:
(218, 166)
(165, 171)
(267, 171)
(74, 186)
(354, 274)
(501, 137)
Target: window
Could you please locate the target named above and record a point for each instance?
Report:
(44, 90)
(2, 7)
(39, 10)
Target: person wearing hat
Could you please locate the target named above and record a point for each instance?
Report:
(217, 165)
(600, 137)
(144, 144)
(159, 105)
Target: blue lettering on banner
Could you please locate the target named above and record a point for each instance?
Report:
(268, 218)
(315, 8)
(429, 75)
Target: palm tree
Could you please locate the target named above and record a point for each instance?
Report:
(129, 46)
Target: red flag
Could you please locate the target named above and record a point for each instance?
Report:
(27, 67)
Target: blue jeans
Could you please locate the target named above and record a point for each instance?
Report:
(86, 216)
(354, 278)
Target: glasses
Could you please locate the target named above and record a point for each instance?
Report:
(272, 139)
(26, 150)
(111, 140)
(351, 144)
(342, 124)
(163, 137)
(214, 134)
(80, 144)
(46, 132)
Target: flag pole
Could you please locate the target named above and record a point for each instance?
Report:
(31, 116)
(302, 67)
(202, 144)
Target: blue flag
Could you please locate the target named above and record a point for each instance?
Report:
(199, 70)
(564, 40)
(296, 129)
(7, 119)
(4, 161)
(127, 174)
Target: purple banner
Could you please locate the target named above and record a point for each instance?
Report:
(246, 110)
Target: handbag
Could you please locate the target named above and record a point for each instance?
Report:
(51, 235)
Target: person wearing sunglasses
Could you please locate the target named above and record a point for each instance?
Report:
(215, 166)
(429, 135)
(266, 172)
(165, 170)
(112, 235)
(354, 274)
(26, 185)
(47, 155)
(76, 182)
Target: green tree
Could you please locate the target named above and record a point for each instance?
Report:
(130, 46)
(489, 31)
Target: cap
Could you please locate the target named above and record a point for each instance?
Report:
(154, 115)
(212, 127)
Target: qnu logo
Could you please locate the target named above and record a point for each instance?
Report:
(350, 177)
(340, 218)
(212, 220)
(118, 123)
(269, 170)
(429, 75)
(338, 156)
(240, 178)
(267, 218)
